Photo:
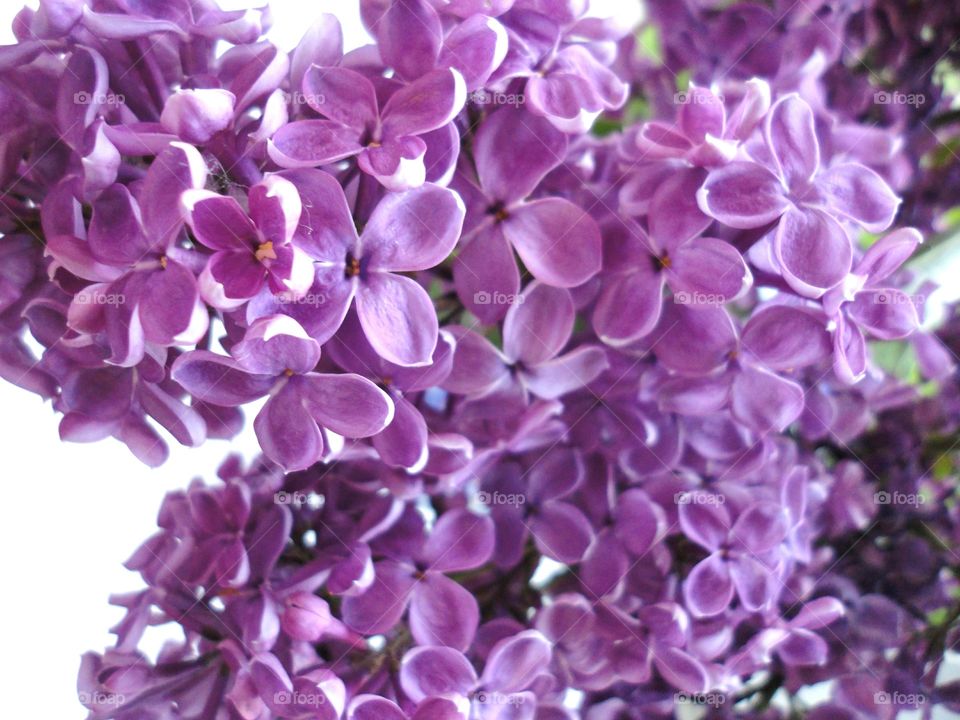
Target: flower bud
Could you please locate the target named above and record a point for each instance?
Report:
(306, 617)
(198, 115)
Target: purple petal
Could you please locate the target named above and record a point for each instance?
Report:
(629, 306)
(558, 242)
(515, 662)
(349, 405)
(372, 707)
(701, 114)
(397, 163)
(415, 230)
(765, 402)
(308, 143)
(219, 222)
(755, 584)
(708, 588)
(710, 270)
(115, 234)
(477, 365)
(760, 527)
(196, 115)
(572, 371)
(638, 522)
(486, 276)
(275, 208)
(605, 565)
(425, 104)
(169, 308)
(82, 93)
(218, 379)
(321, 44)
(275, 344)
(460, 541)
(177, 168)
(398, 318)
(742, 195)
(380, 608)
(326, 230)
(342, 95)
(287, 433)
(675, 216)
(561, 531)
(792, 140)
(887, 255)
(539, 325)
(849, 351)
(443, 613)
(704, 519)
(694, 341)
(783, 337)
(887, 314)
(475, 48)
(802, 647)
(403, 443)
(860, 194)
(813, 250)
(681, 669)
(514, 150)
(409, 34)
(436, 671)
(566, 99)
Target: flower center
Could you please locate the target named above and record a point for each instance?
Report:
(353, 266)
(266, 251)
(499, 211)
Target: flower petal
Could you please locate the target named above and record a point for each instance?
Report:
(860, 194)
(398, 318)
(742, 195)
(813, 250)
(557, 241)
(308, 143)
(414, 230)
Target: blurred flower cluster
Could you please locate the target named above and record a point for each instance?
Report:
(590, 363)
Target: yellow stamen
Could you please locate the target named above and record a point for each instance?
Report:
(265, 251)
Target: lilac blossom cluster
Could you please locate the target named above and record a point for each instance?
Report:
(566, 344)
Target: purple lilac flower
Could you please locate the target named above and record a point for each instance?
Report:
(579, 394)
